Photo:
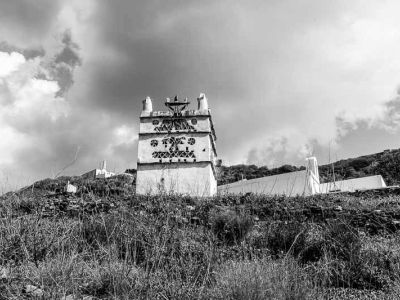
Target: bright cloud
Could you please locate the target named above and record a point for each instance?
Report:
(10, 62)
(25, 101)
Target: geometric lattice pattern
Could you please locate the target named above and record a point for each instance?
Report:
(174, 124)
(172, 154)
(174, 151)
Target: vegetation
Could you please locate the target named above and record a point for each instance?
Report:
(106, 243)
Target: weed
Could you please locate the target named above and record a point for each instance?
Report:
(262, 279)
(230, 227)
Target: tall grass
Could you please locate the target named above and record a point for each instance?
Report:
(263, 279)
(172, 247)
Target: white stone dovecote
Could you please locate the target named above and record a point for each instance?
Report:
(176, 149)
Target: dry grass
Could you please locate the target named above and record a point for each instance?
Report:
(182, 248)
(263, 279)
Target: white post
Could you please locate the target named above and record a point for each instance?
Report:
(312, 175)
(202, 102)
(147, 105)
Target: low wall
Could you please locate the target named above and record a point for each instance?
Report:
(352, 185)
(288, 184)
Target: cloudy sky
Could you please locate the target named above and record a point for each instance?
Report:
(285, 79)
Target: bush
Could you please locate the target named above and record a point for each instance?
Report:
(283, 237)
(381, 261)
(313, 244)
(230, 226)
(344, 263)
(342, 241)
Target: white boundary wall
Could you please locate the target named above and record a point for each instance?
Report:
(352, 185)
(289, 184)
(304, 183)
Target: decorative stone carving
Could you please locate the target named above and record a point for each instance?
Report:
(174, 150)
(173, 124)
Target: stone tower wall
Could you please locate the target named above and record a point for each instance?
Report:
(176, 153)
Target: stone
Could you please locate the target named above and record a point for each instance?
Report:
(33, 290)
(190, 207)
(4, 273)
(338, 208)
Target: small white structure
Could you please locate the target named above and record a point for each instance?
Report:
(99, 173)
(289, 184)
(176, 149)
(352, 185)
(70, 188)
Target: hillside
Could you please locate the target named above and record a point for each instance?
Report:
(385, 163)
(106, 243)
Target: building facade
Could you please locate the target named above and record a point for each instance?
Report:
(176, 149)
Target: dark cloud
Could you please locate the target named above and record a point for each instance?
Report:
(265, 66)
(26, 23)
(61, 67)
(28, 53)
(64, 63)
(234, 53)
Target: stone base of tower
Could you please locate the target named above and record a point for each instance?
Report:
(194, 179)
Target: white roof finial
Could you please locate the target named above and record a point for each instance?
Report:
(147, 105)
(202, 102)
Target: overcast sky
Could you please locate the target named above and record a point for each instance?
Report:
(284, 79)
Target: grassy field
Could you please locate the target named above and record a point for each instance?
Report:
(106, 243)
